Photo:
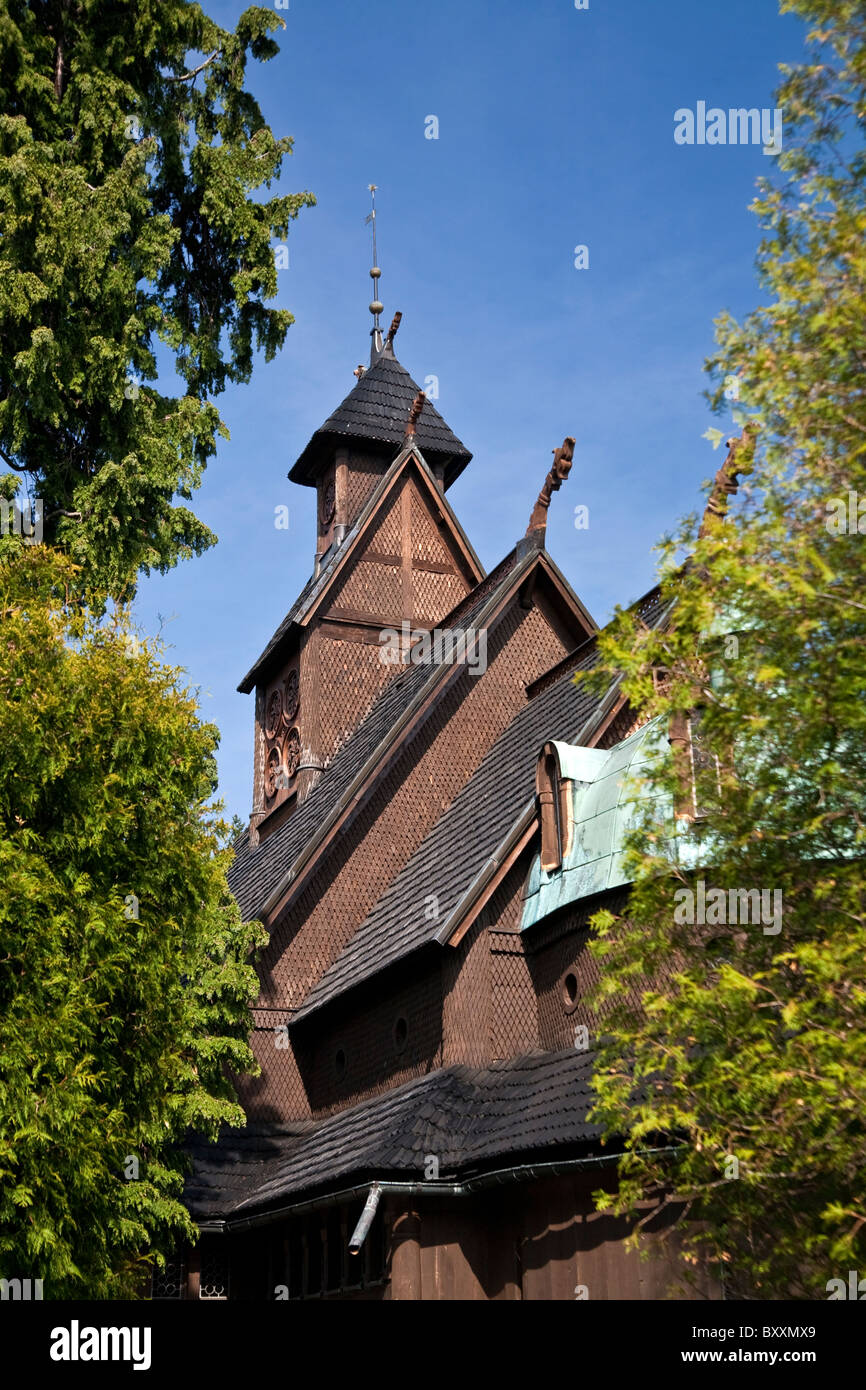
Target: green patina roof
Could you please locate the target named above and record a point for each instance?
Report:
(579, 764)
(729, 623)
(607, 798)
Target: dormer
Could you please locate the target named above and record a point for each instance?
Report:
(588, 800)
(555, 812)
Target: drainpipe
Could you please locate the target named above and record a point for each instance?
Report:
(366, 1218)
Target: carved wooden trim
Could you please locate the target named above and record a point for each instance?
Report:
(406, 527)
(341, 487)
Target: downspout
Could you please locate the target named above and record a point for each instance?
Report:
(366, 1218)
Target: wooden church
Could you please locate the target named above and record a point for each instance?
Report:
(436, 816)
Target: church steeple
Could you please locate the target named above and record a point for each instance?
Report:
(354, 447)
(390, 554)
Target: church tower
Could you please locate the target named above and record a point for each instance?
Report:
(389, 552)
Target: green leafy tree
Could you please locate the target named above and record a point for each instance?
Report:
(125, 972)
(747, 1045)
(130, 157)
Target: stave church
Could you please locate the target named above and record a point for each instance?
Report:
(438, 811)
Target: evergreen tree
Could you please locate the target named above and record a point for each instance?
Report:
(130, 157)
(130, 160)
(125, 975)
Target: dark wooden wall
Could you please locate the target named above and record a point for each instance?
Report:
(540, 1240)
(536, 1241)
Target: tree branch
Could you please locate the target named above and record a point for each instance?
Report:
(58, 71)
(60, 55)
(185, 77)
(840, 598)
(19, 467)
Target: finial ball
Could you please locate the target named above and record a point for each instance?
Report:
(375, 273)
(376, 307)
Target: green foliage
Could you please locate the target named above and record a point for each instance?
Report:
(749, 1045)
(125, 972)
(127, 219)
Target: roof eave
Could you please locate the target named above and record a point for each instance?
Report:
(305, 471)
(255, 673)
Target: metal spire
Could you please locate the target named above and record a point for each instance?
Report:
(376, 307)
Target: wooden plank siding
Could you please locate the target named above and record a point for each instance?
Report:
(539, 1241)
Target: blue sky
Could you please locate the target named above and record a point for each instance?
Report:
(555, 130)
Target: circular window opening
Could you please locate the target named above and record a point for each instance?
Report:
(340, 1063)
(569, 990)
(401, 1034)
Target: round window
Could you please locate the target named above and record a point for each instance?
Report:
(569, 991)
(340, 1063)
(401, 1034)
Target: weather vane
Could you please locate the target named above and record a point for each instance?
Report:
(376, 306)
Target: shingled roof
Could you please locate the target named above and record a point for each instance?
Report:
(296, 612)
(225, 1173)
(255, 873)
(473, 828)
(465, 836)
(377, 409)
(471, 1118)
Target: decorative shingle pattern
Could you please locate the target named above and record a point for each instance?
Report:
(256, 872)
(223, 1174)
(377, 408)
(464, 837)
(334, 557)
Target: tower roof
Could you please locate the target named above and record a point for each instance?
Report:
(376, 410)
